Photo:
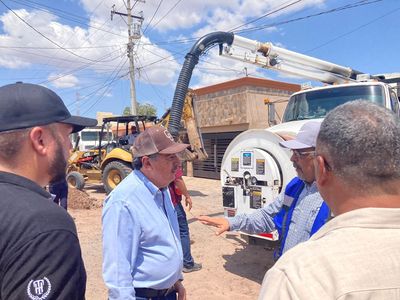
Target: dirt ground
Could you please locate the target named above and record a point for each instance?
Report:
(232, 269)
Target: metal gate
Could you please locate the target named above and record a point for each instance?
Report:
(215, 144)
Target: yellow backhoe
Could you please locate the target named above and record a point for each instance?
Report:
(111, 161)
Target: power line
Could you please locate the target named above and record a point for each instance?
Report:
(171, 9)
(74, 70)
(341, 8)
(65, 15)
(354, 30)
(41, 34)
(268, 14)
(151, 20)
(106, 88)
(56, 48)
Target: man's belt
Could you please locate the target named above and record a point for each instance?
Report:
(152, 293)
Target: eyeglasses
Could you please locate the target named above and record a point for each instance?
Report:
(302, 154)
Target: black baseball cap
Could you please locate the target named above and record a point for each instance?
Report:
(24, 105)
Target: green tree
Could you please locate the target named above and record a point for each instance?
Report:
(142, 109)
(127, 111)
(147, 109)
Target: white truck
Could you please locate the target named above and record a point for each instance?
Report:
(255, 168)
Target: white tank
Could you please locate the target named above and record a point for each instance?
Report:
(255, 168)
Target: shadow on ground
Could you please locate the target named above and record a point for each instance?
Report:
(193, 219)
(95, 188)
(251, 261)
(195, 193)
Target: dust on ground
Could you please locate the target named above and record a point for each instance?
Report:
(232, 268)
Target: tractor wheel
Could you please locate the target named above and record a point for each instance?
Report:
(113, 173)
(76, 180)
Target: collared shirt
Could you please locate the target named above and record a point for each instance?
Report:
(356, 255)
(304, 214)
(141, 244)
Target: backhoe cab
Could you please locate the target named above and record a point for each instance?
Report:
(111, 161)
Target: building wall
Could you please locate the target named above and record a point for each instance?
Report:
(238, 108)
(224, 110)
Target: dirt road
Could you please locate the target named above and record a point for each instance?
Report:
(232, 269)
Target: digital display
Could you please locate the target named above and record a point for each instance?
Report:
(246, 159)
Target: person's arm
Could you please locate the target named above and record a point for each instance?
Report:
(180, 184)
(50, 266)
(259, 221)
(179, 288)
(120, 246)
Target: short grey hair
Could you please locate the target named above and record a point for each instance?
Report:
(137, 161)
(11, 143)
(361, 141)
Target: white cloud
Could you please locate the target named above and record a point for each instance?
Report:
(60, 81)
(189, 18)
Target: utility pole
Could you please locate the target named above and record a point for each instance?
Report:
(133, 37)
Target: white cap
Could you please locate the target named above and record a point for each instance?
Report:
(306, 138)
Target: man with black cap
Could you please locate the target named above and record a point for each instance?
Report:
(299, 211)
(40, 256)
(142, 254)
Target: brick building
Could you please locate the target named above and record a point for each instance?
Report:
(224, 110)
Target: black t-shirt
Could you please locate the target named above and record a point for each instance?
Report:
(40, 255)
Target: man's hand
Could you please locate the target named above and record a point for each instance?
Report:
(188, 202)
(221, 223)
(180, 290)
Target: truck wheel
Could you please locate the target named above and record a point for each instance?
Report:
(113, 173)
(76, 180)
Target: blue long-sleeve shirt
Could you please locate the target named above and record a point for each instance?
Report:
(304, 214)
(141, 246)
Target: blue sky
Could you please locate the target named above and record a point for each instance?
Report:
(75, 49)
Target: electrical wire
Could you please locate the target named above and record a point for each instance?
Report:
(340, 8)
(267, 14)
(162, 18)
(106, 86)
(64, 15)
(41, 34)
(148, 24)
(354, 30)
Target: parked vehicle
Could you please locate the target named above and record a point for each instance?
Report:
(255, 168)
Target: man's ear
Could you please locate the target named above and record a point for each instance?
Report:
(146, 162)
(39, 140)
(321, 171)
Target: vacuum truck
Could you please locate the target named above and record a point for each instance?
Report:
(255, 168)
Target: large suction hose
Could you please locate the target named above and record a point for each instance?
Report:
(191, 60)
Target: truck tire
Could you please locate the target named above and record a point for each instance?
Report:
(113, 173)
(76, 180)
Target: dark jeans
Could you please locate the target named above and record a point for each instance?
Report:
(185, 236)
(60, 190)
(171, 296)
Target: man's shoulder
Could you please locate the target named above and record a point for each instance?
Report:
(130, 188)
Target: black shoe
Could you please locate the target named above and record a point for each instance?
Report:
(195, 267)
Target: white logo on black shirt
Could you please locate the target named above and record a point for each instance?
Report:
(39, 289)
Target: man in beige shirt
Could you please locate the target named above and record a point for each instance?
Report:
(357, 254)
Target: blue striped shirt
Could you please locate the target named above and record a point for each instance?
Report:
(141, 243)
(304, 214)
